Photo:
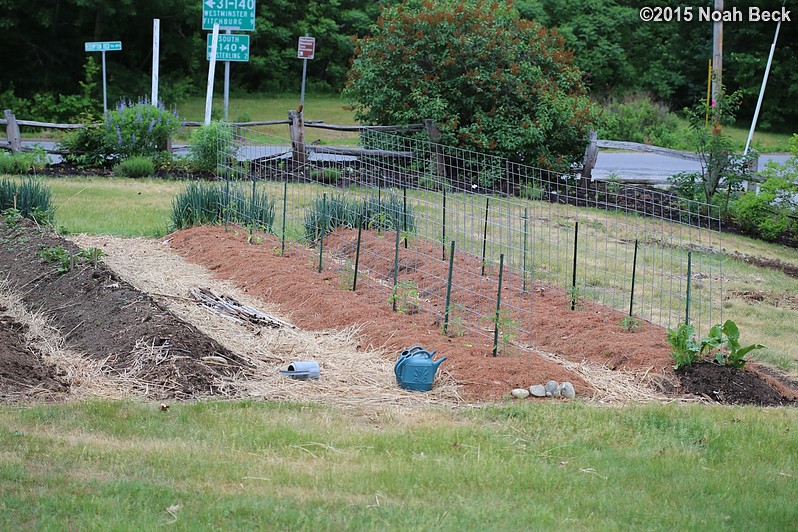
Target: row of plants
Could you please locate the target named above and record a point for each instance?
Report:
(204, 203)
(373, 212)
(26, 199)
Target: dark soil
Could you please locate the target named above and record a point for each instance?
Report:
(23, 373)
(729, 385)
(108, 319)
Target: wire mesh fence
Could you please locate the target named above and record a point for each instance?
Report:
(475, 241)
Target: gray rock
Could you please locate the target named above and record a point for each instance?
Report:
(567, 390)
(520, 393)
(552, 389)
(537, 390)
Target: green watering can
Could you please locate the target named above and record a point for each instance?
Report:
(415, 369)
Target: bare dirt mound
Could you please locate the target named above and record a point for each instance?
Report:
(730, 385)
(108, 320)
(23, 372)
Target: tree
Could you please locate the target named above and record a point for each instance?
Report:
(490, 80)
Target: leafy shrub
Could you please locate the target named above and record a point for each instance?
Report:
(639, 118)
(374, 212)
(135, 167)
(211, 203)
(771, 211)
(31, 198)
(86, 146)
(22, 162)
(211, 144)
(138, 129)
(724, 339)
(328, 176)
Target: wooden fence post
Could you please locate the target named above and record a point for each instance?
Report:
(12, 130)
(297, 130)
(591, 154)
(435, 136)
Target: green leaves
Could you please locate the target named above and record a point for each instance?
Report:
(491, 80)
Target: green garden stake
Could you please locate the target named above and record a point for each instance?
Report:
(323, 229)
(396, 266)
(526, 227)
(573, 283)
(252, 211)
(689, 279)
(485, 234)
(448, 291)
(285, 201)
(443, 236)
(357, 252)
(498, 308)
(404, 214)
(634, 274)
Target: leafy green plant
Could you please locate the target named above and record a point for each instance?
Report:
(31, 197)
(138, 128)
(639, 118)
(135, 167)
(532, 191)
(86, 146)
(405, 296)
(328, 176)
(211, 145)
(684, 348)
(23, 162)
(576, 297)
(11, 216)
(456, 326)
(726, 338)
(59, 255)
(507, 325)
(631, 323)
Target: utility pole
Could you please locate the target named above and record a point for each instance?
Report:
(717, 65)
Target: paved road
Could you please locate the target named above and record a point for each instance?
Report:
(646, 166)
(653, 168)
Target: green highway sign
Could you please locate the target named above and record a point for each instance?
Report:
(229, 14)
(230, 48)
(107, 46)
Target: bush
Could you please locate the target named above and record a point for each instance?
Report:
(211, 203)
(638, 118)
(771, 212)
(211, 144)
(135, 167)
(22, 162)
(328, 176)
(138, 129)
(491, 80)
(86, 145)
(31, 198)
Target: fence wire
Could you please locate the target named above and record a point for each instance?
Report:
(640, 251)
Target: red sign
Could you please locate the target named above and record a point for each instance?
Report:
(306, 48)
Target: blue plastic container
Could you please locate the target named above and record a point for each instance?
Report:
(415, 369)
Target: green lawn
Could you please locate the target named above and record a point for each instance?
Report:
(275, 466)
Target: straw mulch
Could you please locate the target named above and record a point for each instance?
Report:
(348, 376)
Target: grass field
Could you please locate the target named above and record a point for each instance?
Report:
(276, 466)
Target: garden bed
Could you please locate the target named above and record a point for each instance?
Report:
(128, 335)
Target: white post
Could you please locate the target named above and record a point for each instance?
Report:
(156, 46)
(227, 86)
(211, 73)
(762, 90)
(105, 94)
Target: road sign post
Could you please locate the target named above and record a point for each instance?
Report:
(104, 46)
(228, 15)
(306, 49)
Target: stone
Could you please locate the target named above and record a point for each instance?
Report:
(552, 389)
(537, 390)
(567, 390)
(520, 393)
